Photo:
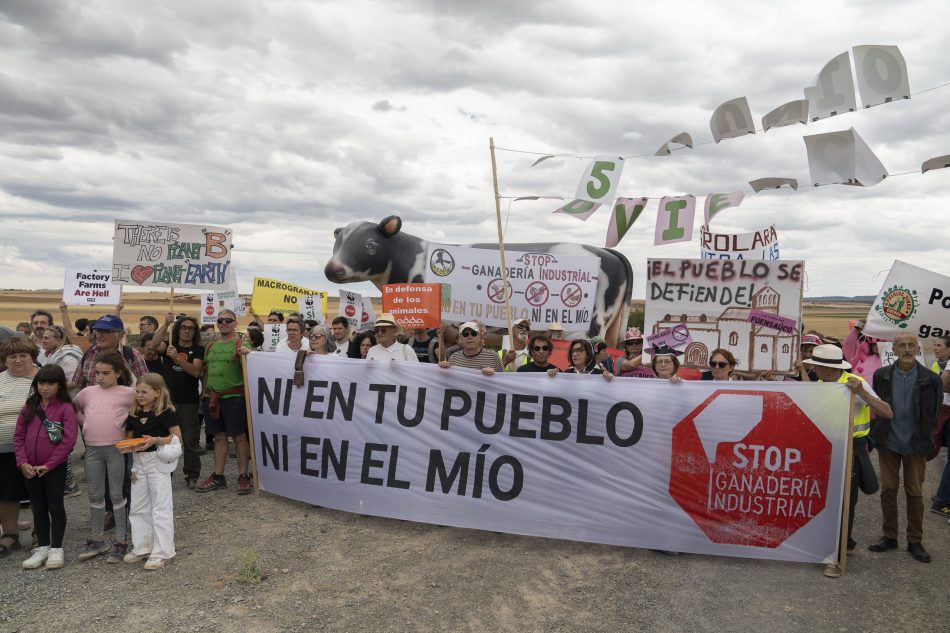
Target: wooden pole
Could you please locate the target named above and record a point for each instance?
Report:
(171, 300)
(250, 423)
(501, 241)
(846, 512)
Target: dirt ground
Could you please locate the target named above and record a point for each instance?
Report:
(335, 571)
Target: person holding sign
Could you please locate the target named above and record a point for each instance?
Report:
(665, 363)
(473, 354)
(583, 361)
(295, 340)
(387, 347)
(827, 361)
(631, 366)
(181, 367)
(540, 347)
(518, 356)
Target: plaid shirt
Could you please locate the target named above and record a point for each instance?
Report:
(85, 374)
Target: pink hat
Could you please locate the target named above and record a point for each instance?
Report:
(632, 334)
(810, 339)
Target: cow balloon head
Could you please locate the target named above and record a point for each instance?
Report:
(364, 251)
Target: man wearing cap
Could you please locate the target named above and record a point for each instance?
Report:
(828, 364)
(904, 439)
(941, 367)
(387, 347)
(473, 354)
(514, 358)
(107, 335)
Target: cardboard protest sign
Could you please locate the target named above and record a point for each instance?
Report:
(755, 470)
(414, 305)
(761, 245)
(714, 300)
(312, 310)
(353, 306)
(228, 296)
(209, 308)
(544, 288)
(271, 294)
(914, 300)
(885, 350)
(185, 256)
(274, 333)
(89, 287)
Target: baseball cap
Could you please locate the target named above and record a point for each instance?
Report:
(108, 323)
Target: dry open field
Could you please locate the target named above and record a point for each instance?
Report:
(16, 305)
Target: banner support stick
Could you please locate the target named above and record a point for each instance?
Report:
(846, 497)
(171, 299)
(501, 240)
(250, 423)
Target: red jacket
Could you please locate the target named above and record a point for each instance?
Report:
(32, 444)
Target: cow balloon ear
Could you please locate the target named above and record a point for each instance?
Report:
(390, 226)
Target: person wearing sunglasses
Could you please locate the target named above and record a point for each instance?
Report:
(631, 365)
(225, 413)
(182, 362)
(540, 349)
(722, 363)
(387, 347)
(473, 354)
(321, 341)
(583, 360)
(514, 358)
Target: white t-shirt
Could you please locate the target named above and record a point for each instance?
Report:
(282, 346)
(396, 351)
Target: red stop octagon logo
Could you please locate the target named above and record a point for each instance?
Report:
(761, 489)
(349, 310)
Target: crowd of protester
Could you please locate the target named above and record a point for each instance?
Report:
(142, 407)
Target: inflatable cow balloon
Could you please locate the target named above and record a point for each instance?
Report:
(383, 254)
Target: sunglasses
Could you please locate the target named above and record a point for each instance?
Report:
(719, 364)
(226, 320)
(522, 327)
(317, 336)
(468, 333)
(186, 327)
(638, 341)
(541, 348)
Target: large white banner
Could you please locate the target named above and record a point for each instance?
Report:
(185, 256)
(702, 467)
(90, 286)
(914, 300)
(752, 308)
(544, 288)
(762, 245)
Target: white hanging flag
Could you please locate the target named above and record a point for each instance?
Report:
(716, 202)
(787, 114)
(674, 220)
(772, 183)
(732, 119)
(625, 213)
(580, 209)
(842, 158)
(600, 180)
(833, 90)
(881, 74)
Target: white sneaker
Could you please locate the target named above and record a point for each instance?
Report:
(154, 564)
(132, 557)
(39, 556)
(55, 560)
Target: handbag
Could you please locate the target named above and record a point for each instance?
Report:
(54, 430)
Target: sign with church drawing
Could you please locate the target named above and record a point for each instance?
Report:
(752, 308)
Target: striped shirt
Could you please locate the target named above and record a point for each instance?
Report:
(484, 358)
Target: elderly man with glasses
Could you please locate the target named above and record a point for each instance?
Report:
(473, 354)
(387, 347)
(540, 348)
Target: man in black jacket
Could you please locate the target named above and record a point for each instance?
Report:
(914, 393)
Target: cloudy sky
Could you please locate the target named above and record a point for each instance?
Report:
(287, 119)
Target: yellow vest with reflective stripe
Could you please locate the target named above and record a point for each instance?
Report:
(862, 419)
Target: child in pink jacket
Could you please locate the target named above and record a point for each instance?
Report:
(45, 435)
